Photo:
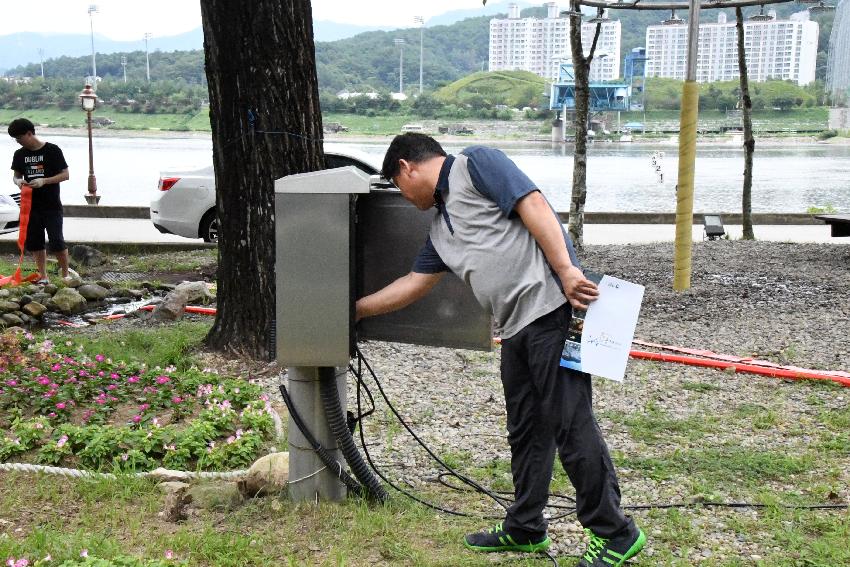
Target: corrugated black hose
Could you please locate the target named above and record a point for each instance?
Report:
(338, 424)
(324, 456)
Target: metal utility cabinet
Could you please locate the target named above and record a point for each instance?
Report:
(339, 236)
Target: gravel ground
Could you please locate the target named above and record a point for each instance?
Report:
(788, 303)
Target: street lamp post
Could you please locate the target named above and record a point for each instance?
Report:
(400, 43)
(124, 65)
(421, 21)
(147, 57)
(88, 102)
(92, 12)
(41, 59)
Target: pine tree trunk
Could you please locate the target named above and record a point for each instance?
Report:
(749, 141)
(266, 123)
(581, 74)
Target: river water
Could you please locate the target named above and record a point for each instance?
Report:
(620, 177)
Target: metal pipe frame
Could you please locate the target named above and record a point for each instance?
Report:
(710, 5)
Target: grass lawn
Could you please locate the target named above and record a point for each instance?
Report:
(117, 522)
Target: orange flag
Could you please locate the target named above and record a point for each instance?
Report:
(26, 206)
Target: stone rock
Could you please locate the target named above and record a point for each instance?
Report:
(50, 288)
(127, 293)
(72, 281)
(24, 317)
(177, 498)
(93, 292)
(167, 475)
(222, 496)
(67, 300)
(4, 293)
(171, 308)
(87, 256)
(195, 291)
(41, 298)
(9, 306)
(25, 299)
(104, 284)
(11, 319)
(268, 475)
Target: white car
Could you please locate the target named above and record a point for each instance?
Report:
(10, 211)
(184, 203)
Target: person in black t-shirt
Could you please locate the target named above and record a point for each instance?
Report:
(41, 165)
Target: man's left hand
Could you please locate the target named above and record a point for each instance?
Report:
(36, 183)
(579, 290)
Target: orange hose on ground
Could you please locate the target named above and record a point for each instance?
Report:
(740, 367)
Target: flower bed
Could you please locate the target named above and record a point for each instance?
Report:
(62, 406)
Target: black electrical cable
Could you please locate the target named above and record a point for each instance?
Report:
(501, 500)
(361, 383)
(326, 458)
(338, 424)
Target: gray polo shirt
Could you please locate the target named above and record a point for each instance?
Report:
(478, 235)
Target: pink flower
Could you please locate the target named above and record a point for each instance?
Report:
(231, 439)
(52, 414)
(133, 379)
(99, 357)
(162, 379)
(62, 441)
(38, 425)
(124, 456)
(137, 418)
(56, 367)
(169, 554)
(60, 405)
(11, 382)
(144, 407)
(176, 399)
(111, 387)
(101, 373)
(84, 553)
(43, 380)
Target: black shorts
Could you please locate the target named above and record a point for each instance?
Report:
(41, 221)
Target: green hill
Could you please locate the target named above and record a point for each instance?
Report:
(512, 88)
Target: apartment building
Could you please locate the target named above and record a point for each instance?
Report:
(540, 44)
(838, 66)
(775, 49)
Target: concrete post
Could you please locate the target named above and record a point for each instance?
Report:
(306, 484)
(557, 130)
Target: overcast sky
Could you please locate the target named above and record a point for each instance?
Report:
(129, 20)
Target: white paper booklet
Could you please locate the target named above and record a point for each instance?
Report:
(599, 339)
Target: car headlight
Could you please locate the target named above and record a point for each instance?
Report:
(7, 200)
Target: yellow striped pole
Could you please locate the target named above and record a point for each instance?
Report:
(687, 158)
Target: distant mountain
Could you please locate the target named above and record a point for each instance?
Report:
(490, 9)
(22, 48)
(332, 31)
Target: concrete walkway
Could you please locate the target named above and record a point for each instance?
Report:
(141, 231)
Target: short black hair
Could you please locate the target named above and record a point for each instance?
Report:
(20, 126)
(410, 146)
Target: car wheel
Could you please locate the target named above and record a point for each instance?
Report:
(209, 227)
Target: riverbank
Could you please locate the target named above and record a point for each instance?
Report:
(483, 138)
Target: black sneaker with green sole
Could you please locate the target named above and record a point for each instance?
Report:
(612, 552)
(497, 539)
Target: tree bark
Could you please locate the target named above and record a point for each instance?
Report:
(749, 141)
(266, 123)
(581, 73)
